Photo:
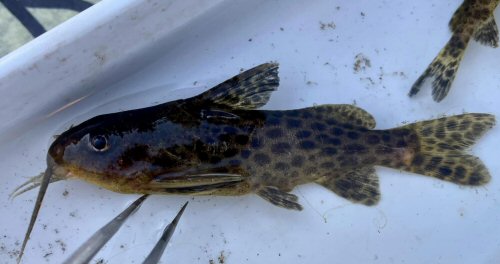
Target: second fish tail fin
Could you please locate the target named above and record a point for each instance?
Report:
(442, 146)
(443, 68)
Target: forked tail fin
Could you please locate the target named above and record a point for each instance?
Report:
(443, 68)
(442, 148)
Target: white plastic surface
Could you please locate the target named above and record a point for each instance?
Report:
(128, 54)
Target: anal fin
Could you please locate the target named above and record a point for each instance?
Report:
(487, 34)
(358, 185)
(280, 198)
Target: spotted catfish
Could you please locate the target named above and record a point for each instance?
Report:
(219, 143)
(473, 19)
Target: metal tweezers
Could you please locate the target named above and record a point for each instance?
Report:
(87, 251)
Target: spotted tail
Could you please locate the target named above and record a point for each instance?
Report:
(443, 68)
(442, 145)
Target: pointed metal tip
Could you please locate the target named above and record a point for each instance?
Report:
(89, 248)
(155, 254)
(179, 214)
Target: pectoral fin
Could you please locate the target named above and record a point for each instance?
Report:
(193, 182)
(280, 198)
(359, 185)
(250, 89)
(487, 34)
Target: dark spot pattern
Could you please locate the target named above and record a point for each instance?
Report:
(256, 143)
(337, 131)
(327, 165)
(329, 151)
(418, 160)
(303, 134)
(261, 159)
(245, 154)
(230, 130)
(372, 139)
(281, 148)
(354, 149)
(445, 171)
(318, 126)
(401, 144)
(297, 161)
(293, 123)
(281, 166)
(234, 162)
(335, 141)
(307, 145)
(274, 133)
(460, 172)
(273, 121)
(353, 135)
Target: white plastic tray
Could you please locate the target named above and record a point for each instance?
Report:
(127, 54)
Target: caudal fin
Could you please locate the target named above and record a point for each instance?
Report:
(442, 148)
(443, 68)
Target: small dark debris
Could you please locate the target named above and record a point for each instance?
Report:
(324, 26)
(62, 245)
(222, 258)
(361, 63)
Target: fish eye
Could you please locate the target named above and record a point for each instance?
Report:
(99, 143)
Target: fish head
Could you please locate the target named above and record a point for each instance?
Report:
(123, 150)
(85, 151)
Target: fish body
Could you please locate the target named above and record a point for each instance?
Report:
(473, 19)
(220, 143)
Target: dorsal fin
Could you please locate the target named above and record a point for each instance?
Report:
(250, 89)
